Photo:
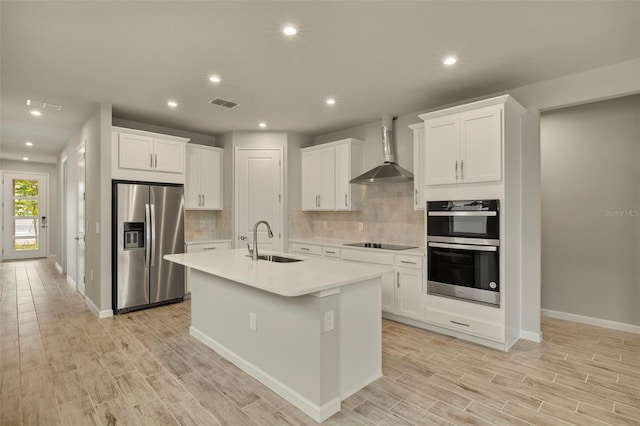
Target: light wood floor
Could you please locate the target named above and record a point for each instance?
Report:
(61, 365)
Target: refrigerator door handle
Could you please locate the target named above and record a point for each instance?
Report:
(153, 234)
(147, 235)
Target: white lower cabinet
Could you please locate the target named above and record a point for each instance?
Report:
(200, 247)
(471, 318)
(409, 293)
(388, 293)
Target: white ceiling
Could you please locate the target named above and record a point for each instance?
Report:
(376, 58)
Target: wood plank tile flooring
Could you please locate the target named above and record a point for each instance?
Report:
(60, 365)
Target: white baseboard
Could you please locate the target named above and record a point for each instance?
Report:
(592, 321)
(71, 283)
(531, 335)
(58, 268)
(97, 312)
(316, 412)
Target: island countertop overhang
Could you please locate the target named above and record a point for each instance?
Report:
(285, 279)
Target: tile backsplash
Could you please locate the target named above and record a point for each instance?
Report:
(206, 225)
(387, 216)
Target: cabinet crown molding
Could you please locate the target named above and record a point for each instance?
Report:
(149, 134)
(498, 100)
(334, 143)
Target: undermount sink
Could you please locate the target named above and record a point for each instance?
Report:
(277, 259)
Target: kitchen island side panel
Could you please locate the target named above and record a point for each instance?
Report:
(311, 365)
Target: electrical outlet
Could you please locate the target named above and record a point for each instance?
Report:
(328, 321)
(97, 227)
(360, 226)
(253, 321)
(202, 224)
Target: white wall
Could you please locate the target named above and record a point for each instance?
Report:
(96, 133)
(53, 215)
(591, 210)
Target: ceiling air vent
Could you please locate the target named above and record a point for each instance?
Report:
(223, 103)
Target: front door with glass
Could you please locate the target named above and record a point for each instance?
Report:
(25, 215)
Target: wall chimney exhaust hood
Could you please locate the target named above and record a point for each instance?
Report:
(389, 171)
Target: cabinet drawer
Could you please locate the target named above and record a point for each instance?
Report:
(331, 252)
(196, 248)
(368, 257)
(306, 249)
(465, 324)
(409, 261)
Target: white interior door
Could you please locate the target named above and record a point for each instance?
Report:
(81, 222)
(258, 194)
(25, 215)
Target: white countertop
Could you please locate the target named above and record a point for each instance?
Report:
(285, 279)
(206, 241)
(341, 243)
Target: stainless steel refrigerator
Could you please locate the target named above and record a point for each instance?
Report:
(148, 222)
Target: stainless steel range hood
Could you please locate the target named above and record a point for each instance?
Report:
(389, 172)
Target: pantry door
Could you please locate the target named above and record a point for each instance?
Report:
(25, 215)
(258, 196)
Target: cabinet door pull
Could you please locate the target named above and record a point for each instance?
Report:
(398, 281)
(345, 200)
(330, 252)
(208, 248)
(203, 200)
(459, 323)
(156, 161)
(415, 197)
(410, 263)
(151, 161)
(461, 169)
(456, 170)
(319, 200)
(304, 248)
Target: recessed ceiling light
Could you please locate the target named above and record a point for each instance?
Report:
(172, 104)
(25, 158)
(35, 112)
(449, 60)
(330, 101)
(215, 79)
(289, 30)
(262, 125)
(28, 143)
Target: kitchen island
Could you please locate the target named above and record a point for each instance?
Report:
(309, 330)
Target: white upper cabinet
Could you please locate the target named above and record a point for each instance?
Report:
(326, 172)
(465, 144)
(203, 180)
(419, 158)
(481, 145)
(147, 156)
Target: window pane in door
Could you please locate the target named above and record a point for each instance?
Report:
(25, 244)
(26, 227)
(25, 188)
(26, 207)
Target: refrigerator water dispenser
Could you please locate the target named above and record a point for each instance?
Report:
(133, 235)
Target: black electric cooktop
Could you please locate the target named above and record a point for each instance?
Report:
(381, 246)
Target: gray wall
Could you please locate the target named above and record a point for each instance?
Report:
(590, 207)
(51, 170)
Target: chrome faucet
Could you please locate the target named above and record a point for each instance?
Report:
(254, 252)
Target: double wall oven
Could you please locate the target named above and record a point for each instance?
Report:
(463, 250)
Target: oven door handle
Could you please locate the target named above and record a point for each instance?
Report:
(460, 213)
(463, 247)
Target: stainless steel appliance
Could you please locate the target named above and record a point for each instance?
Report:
(382, 246)
(148, 222)
(389, 171)
(463, 250)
